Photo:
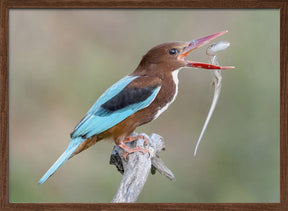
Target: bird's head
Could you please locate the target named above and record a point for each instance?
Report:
(171, 55)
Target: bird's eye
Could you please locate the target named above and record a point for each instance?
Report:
(173, 51)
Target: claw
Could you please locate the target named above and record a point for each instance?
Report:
(129, 150)
(137, 149)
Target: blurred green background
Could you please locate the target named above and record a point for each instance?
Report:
(61, 61)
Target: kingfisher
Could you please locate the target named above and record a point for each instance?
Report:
(134, 100)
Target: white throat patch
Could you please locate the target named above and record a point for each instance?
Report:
(176, 81)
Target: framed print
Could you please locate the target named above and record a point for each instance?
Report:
(57, 58)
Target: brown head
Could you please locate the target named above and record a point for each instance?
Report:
(170, 56)
(166, 53)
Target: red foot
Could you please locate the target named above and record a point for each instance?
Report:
(129, 150)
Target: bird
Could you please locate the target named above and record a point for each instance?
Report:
(134, 100)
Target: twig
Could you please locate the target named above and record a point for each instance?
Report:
(136, 169)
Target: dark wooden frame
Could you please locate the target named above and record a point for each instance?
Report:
(204, 4)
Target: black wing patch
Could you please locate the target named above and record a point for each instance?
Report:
(128, 96)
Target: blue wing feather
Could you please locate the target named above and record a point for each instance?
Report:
(98, 119)
(112, 91)
(109, 93)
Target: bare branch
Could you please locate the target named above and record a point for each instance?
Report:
(136, 169)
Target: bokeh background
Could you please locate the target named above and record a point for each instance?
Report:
(61, 61)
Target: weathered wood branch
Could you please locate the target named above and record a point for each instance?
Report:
(136, 168)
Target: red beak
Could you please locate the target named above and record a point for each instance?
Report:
(194, 44)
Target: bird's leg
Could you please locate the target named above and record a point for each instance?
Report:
(133, 138)
(129, 150)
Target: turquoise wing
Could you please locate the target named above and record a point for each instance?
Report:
(113, 106)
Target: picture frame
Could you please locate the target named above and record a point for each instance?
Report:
(6, 5)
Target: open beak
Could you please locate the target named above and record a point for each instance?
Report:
(194, 44)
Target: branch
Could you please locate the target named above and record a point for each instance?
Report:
(136, 169)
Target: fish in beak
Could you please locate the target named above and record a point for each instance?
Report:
(194, 44)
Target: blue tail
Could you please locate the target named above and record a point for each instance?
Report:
(61, 160)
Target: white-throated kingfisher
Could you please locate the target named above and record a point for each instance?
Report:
(135, 99)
